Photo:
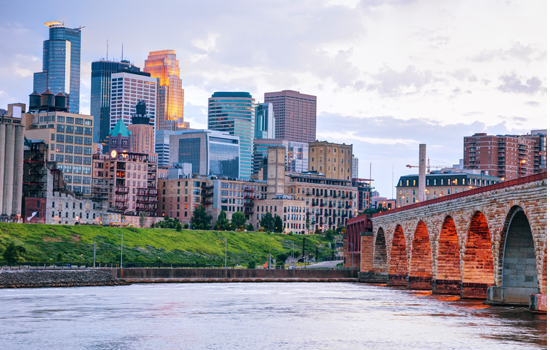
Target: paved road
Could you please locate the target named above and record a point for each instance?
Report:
(326, 264)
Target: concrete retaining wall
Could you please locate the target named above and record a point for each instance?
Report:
(57, 278)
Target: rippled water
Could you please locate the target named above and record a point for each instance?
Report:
(258, 316)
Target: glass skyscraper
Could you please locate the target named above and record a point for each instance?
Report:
(265, 121)
(209, 152)
(100, 101)
(61, 64)
(164, 66)
(234, 112)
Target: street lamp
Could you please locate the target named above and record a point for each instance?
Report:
(523, 161)
(225, 238)
(121, 241)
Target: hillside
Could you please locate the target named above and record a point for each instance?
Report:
(44, 243)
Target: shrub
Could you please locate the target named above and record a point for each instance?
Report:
(251, 264)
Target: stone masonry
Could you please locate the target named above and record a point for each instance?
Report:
(460, 241)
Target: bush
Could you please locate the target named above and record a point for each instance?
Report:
(251, 264)
(186, 226)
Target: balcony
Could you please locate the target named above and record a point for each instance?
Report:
(248, 204)
(249, 211)
(148, 200)
(207, 187)
(121, 190)
(206, 201)
(249, 189)
(249, 196)
(207, 194)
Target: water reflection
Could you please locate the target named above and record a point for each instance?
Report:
(259, 316)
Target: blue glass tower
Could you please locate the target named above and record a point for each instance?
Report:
(61, 64)
(234, 112)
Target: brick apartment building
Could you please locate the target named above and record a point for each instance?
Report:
(506, 156)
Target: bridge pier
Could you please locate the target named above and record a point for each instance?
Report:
(475, 290)
(510, 295)
(397, 280)
(446, 287)
(537, 303)
(420, 283)
(373, 277)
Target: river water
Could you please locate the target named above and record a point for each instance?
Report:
(259, 316)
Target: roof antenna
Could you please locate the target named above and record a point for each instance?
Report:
(107, 56)
(122, 57)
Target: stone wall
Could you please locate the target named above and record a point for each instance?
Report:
(57, 278)
(478, 223)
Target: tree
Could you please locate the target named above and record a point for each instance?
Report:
(179, 226)
(12, 252)
(278, 224)
(307, 223)
(267, 222)
(251, 264)
(282, 257)
(250, 227)
(329, 235)
(142, 219)
(222, 222)
(200, 218)
(238, 220)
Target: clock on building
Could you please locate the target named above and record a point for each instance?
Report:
(113, 154)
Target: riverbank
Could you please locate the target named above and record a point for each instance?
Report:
(57, 278)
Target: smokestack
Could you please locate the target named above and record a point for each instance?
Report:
(422, 173)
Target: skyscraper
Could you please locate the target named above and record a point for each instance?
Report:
(265, 121)
(61, 64)
(100, 101)
(126, 90)
(164, 65)
(295, 115)
(234, 112)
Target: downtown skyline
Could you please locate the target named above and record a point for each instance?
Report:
(387, 75)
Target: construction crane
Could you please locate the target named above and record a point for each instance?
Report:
(428, 166)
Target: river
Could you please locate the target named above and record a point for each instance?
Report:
(259, 316)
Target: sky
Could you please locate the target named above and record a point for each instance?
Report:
(388, 75)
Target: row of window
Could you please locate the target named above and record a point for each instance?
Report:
(71, 149)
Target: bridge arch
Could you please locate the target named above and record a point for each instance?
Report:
(421, 272)
(398, 259)
(478, 272)
(380, 263)
(517, 259)
(448, 276)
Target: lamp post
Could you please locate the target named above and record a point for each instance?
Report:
(520, 162)
(121, 241)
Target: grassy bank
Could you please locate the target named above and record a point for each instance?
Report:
(44, 243)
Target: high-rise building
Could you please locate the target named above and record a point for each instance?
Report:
(209, 152)
(142, 135)
(332, 159)
(355, 168)
(295, 115)
(234, 112)
(297, 157)
(129, 88)
(506, 156)
(100, 101)
(164, 66)
(61, 64)
(265, 121)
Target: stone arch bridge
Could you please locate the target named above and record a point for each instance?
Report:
(488, 242)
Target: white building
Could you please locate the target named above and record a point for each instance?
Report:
(126, 90)
(355, 168)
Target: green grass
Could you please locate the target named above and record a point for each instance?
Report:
(43, 243)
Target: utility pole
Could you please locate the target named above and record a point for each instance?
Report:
(226, 252)
(121, 240)
(94, 253)
(304, 249)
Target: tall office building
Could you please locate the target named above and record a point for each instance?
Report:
(234, 112)
(506, 156)
(164, 65)
(126, 90)
(295, 115)
(355, 168)
(100, 101)
(265, 121)
(297, 157)
(61, 64)
(209, 152)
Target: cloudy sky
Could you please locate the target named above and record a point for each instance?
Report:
(388, 74)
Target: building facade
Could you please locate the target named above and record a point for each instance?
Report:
(260, 155)
(210, 152)
(439, 185)
(295, 115)
(332, 159)
(126, 90)
(164, 66)
(297, 157)
(61, 64)
(100, 100)
(142, 134)
(355, 168)
(265, 121)
(234, 112)
(364, 187)
(506, 156)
